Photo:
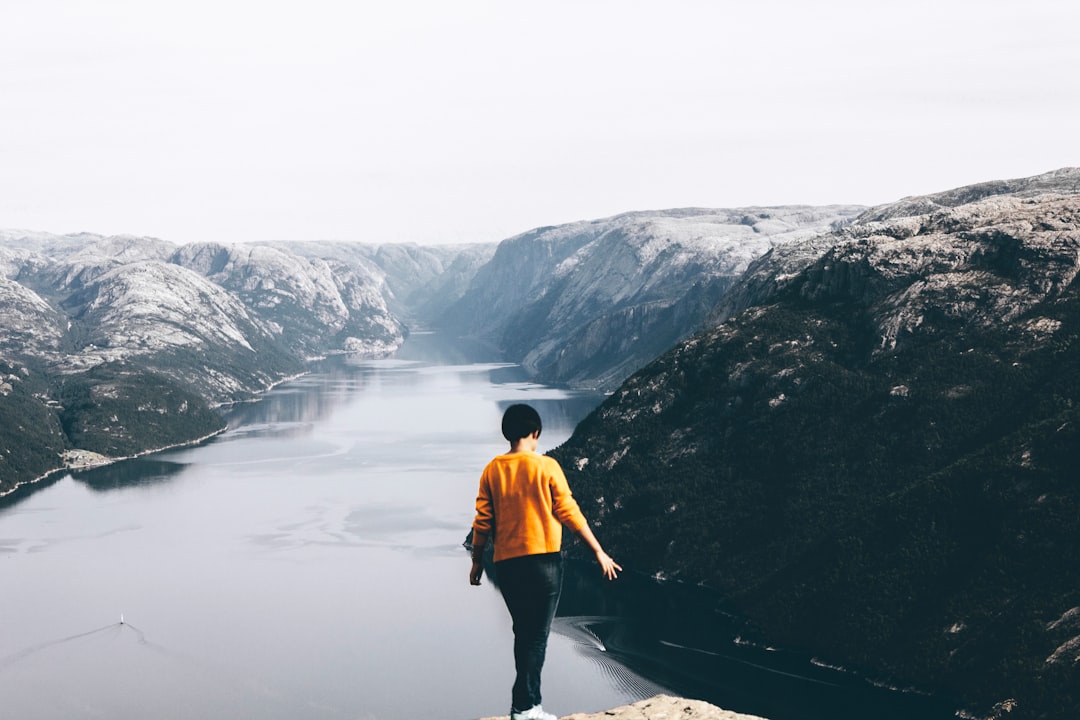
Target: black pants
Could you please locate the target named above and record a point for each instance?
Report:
(531, 586)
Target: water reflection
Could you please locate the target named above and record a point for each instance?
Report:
(435, 348)
(138, 471)
(291, 409)
(687, 639)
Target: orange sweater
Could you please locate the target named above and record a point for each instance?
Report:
(524, 498)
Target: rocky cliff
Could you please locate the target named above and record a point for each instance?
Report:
(587, 303)
(660, 707)
(874, 455)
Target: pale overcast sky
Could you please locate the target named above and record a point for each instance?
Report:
(462, 120)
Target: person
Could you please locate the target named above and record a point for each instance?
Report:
(521, 506)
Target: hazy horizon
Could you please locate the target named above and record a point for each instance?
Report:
(473, 121)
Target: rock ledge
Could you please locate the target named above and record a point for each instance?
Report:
(660, 707)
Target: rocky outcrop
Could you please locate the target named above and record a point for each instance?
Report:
(660, 707)
(1065, 181)
(927, 217)
(587, 303)
(872, 455)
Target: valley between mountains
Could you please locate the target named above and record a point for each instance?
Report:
(860, 425)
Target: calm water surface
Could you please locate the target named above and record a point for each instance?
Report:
(308, 564)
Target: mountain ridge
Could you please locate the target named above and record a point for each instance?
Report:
(587, 303)
(872, 457)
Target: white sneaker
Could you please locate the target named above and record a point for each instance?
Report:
(534, 713)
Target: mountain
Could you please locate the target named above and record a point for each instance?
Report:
(872, 450)
(587, 303)
(114, 346)
(312, 306)
(418, 282)
(859, 424)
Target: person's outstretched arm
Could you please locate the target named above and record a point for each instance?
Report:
(608, 566)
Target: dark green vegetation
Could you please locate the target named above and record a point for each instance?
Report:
(31, 436)
(908, 510)
(120, 414)
(112, 410)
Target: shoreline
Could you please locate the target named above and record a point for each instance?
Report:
(257, 396)
(27, 485)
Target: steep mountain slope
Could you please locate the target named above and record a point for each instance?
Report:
(177, 323)
(419, 282)
(30, 324)
(303, 299)
(119, 345)
(876, 458)
(589, 302)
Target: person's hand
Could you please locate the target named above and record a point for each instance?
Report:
(477, 572)
(607, 565)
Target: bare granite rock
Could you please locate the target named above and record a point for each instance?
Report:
(659, 707)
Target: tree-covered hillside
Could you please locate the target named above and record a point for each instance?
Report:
(31, 435)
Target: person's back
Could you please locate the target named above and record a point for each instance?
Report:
(529, 495)
(521, 505)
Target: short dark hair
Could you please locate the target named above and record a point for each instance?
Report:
(520, 421)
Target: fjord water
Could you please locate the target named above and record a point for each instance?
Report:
(307, 563)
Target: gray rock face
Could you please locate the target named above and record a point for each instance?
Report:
(81, 301)
(1065, 181)
(589, 302)
(309, 305)
(30, 324)
(986, 263)
(927, 218)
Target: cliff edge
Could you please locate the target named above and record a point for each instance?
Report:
(660, 707)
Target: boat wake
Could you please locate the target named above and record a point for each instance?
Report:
(14, 658)
(583, 630)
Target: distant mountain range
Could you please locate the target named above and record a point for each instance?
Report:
(588, 303)
(859, 424)
(93, 322)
